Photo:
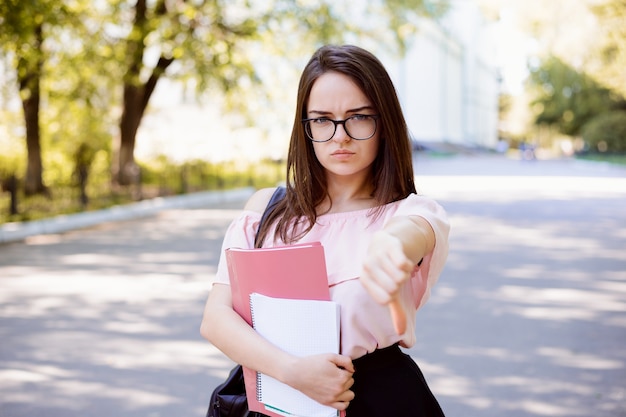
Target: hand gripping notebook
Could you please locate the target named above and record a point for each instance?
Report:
(296, 272)
(301, 328)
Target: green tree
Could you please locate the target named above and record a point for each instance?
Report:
(97, 64)
(208, 40)
(566, 98)
(606, 132)
(37, 38)
(611, 67)
(22, 35)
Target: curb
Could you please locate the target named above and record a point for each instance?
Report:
(13, 232)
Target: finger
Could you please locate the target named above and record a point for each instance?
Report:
(343, 362)
(381, 286)
(346, 397)
(383, 273)
(349, 383)
(394, 265)
(343, 401)
(379, 294)
(398, 267)
(340, 405)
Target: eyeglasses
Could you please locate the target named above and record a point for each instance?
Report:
(358, 127)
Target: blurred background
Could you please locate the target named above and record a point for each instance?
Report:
(110, 101)
(510, 105)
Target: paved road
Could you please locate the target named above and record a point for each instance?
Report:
(528, 319)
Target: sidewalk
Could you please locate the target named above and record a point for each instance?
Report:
(13, 232)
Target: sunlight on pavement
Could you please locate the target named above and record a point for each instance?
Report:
(78, 393)
(445, 382)
(499, 354)
(136, 354)
(562, 296)
(514, 188)
(526, 321)
(565, 357)
(546, 386)
(71, 390)
(67, 290)
(503, 235)
(539, 408)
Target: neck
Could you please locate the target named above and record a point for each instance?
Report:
(348, 196)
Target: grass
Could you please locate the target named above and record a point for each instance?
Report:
(619, 159)
(165, 180)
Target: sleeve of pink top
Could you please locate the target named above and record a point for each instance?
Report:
(426, 275)
(240, 234)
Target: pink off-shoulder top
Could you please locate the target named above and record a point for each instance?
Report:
(365, 324)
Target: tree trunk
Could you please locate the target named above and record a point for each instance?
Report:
(29, 76)
(126, 169)
(136, 96)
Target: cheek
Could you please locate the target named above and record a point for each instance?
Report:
(374, 144)
(317, 149)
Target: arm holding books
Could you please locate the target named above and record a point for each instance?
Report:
(326, 378)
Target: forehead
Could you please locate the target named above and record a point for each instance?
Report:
(336, 92)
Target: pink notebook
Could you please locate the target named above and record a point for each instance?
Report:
(296, 272)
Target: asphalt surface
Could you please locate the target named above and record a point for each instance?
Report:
(527, 320)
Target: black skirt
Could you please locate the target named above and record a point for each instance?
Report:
(388, 383)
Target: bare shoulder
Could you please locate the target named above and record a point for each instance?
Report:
(259, 200)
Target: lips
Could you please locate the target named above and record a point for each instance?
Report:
(342, 155)
(342, 152)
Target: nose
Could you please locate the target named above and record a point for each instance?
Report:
(340, 133)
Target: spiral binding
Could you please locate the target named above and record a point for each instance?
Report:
(258, 374)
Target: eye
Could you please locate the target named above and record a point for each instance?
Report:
(360, 117)
(320, 121)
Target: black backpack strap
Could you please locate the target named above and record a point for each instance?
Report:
(278, 195)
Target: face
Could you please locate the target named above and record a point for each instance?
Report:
(335, 96)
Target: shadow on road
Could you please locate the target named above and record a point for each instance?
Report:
(528, 319)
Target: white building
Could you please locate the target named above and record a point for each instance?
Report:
(448, 81)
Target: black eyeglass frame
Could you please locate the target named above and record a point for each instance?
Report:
(340, 122)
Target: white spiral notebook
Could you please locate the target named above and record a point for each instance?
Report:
(302, 328)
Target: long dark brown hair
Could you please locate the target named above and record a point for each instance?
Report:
(392, 170)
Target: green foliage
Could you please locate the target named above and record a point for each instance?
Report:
(43, 41)
(606, 132)
(567, 98)
(160, 177)
(172, 178)
(213, 43)
(84, 51)
(11, 162)
(401, 16)
(612, 49)
(609, 158)
(19, 19)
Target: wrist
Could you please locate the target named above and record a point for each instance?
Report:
(285, 367)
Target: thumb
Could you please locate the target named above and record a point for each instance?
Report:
(398, 316)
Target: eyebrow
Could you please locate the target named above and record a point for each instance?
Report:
(355, 110)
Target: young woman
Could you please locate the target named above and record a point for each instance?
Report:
(349, 186)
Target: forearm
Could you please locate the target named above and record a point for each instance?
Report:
(227, 331)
